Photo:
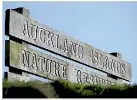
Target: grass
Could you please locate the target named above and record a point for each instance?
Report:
(30, 89)
(94, 91)
(66, 89)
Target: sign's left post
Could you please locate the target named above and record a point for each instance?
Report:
(14, 73)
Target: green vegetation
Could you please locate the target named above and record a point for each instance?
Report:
(30, 89)
(66, 89)
(63, 88)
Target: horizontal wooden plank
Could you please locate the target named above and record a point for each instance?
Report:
(16, 77)
(23, 57)
(41, 35)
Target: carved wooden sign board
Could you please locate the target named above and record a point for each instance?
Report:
(23, 31)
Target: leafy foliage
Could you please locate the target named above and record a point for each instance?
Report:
(66, 89)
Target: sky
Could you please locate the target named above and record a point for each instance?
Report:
(108, 26)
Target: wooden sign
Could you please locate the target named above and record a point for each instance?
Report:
(23, 57)
(40, 35)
